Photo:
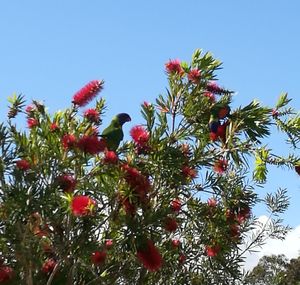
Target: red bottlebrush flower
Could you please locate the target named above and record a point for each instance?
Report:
(229, 215)
(220, 166)
(31, 123)
(67, 183)
(29, 109)
(170, 224)
(110, 157)
(6, 273)
(137, 181)
(173, 66)
(48, 265)
(181, 258)
(140, 135)
(82, 206)
(185, 149)
(87, 93)
(146, 104)
(243, 214)
(54, 127)
(189, 172)
(175, 243)
(109, 243)
(91, 144)
(68, 141)
(92, 115)
(23, 164)
(212, 202)
(150, 257)
(210, 96)
(98, 257)
(235, 231)
(194, 75)
(297, 169)
(212, 251)
(214, 88)
(223, 112)
(176, 205)
(129, 207)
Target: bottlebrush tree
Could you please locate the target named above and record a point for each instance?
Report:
(170, 206)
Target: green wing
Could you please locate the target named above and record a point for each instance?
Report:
(113, 135)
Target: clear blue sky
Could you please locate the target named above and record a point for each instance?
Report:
(49, 49)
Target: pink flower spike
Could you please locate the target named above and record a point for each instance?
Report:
(87, 93)
(212, 202)
(23, 164)
(220, 166)
(31, 123)
(140, 135)
(173, 66)
(176, 205)
(92, 115)
(194, 75)
(82, 206)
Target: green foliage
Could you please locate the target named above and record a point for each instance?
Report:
(275, 270)
(184, 175)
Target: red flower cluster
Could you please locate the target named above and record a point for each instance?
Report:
(210, 96)
(91, 144)
(87, 93)
(220, 166)
(110, 157)
(170, 224)
(176, 205)
(109, 243)
(98, 257)
(137, 181)
(82, 205)
(29, 110)
(68, 141)
(140, 135)
(23, 164)
(174, 66)
(150, 257)
(48, 265)
(212, 202)
(235, 231)
(67, 183)
(92, 115)
(189, 172)
(214, 88)
(54, 127)
(32, 122)
(175, 243)
(129, 207)
(181, 258)
(194, 75)
(212, 251)
(6, 273)
(243, 214)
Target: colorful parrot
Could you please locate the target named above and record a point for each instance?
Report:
(113, 134)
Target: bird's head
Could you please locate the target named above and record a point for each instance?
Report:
(123, 118)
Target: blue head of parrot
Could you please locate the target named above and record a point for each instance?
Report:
(123, 118)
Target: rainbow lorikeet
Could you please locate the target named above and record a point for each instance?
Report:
(113, 134)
